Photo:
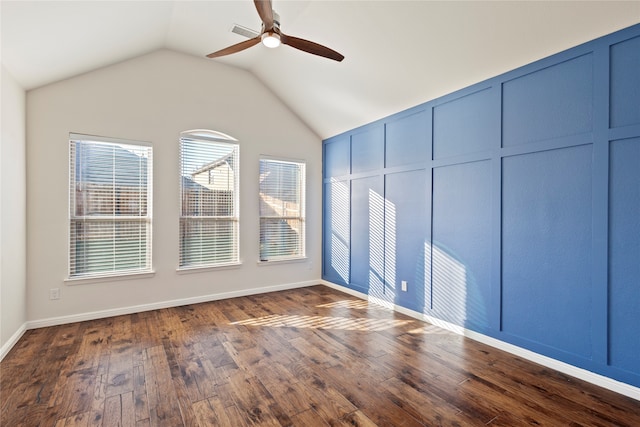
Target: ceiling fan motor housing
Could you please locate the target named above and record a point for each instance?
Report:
(276, 23)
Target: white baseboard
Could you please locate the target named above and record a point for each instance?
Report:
(81, 317)
(583, 374)
(6, 348)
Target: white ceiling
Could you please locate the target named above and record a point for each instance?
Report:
(398, 53)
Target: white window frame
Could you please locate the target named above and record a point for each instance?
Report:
(146, 268)
(204, 136)
(264, 258)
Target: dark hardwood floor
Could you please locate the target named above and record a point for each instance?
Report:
(304, 357)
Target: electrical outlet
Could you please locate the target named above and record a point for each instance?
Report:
(54, 293)
(403, 285)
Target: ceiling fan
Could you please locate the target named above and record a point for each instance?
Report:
(271, 36)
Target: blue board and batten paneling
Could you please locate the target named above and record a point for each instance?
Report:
(546, 248)
(511, 207)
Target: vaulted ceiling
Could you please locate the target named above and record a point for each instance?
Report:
(398, 53)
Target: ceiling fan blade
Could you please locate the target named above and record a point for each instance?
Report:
(310, 47)
(265, 10)
(235, 48)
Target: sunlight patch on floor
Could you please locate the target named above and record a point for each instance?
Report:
(323, 322)
(354, 304)
(429, 330)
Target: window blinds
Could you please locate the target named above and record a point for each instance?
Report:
(110, 187)
(282, 215)
(209, 174)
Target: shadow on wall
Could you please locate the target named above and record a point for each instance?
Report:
(456, 293)
(442, 284)
(340, 230)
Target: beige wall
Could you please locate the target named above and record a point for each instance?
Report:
(154, 98)
(12, 213)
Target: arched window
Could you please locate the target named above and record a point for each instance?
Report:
(209, 175)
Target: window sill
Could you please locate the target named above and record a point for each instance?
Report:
(283, 261)
(205, 268)
(114, 278)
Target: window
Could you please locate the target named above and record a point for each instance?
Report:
(110, 207)
(282, 221)
(209, 175)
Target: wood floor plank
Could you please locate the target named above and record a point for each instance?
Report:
(212, 349)
(292, 399)
(78, 395)
(145, 330)
(163, 404)
(205, 413)
(140, 399)
(276, 376)
(96, 413)
(143, 423)
(92, 346)
(252, 400)
(127, 409)
(302, 357)
(314, 351)
(431, 408)
(120, 376)
(308, 418)
(79, 420)
(356, 418)
(119, 411)
(324, 399)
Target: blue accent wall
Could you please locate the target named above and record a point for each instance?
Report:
(461, 244)
(546, 248)
(511, 207)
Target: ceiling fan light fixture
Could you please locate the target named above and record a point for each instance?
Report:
(270, 40)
